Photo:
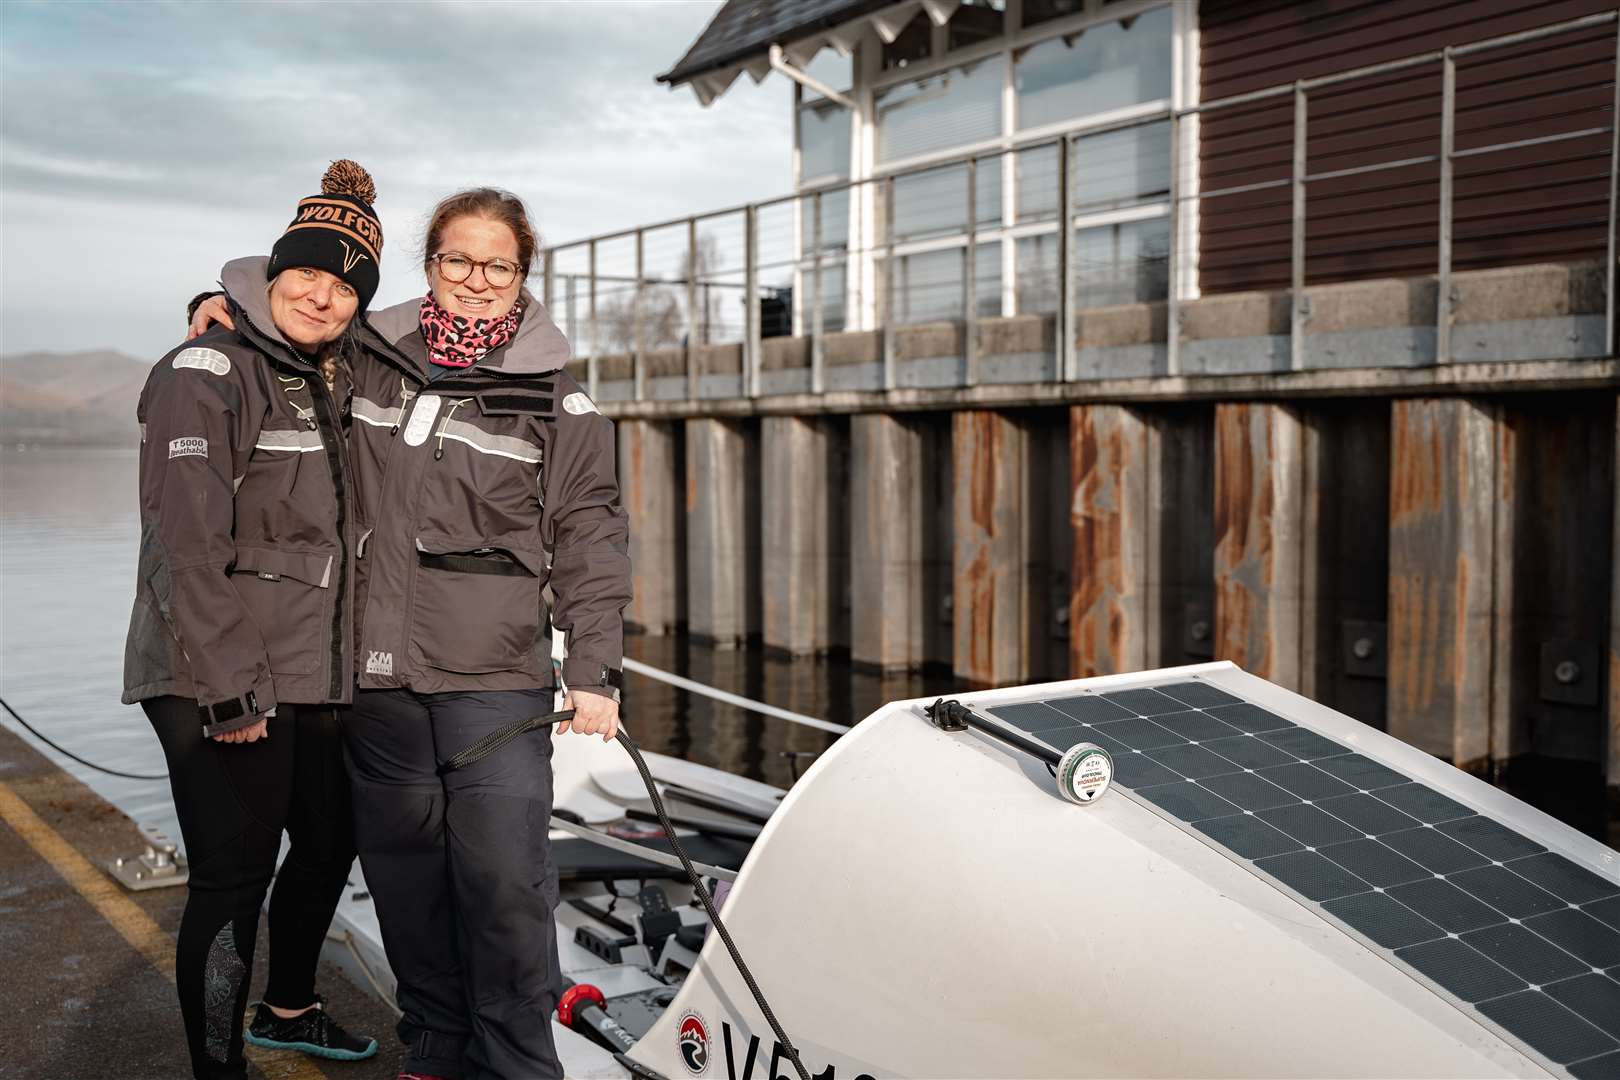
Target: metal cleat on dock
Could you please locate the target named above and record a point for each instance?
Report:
(159, 867)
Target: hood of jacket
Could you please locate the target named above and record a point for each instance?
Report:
(537, 347)
(246, 286)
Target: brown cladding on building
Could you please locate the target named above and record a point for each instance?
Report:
(1540, 203)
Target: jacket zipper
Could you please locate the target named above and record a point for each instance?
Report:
(331, 441)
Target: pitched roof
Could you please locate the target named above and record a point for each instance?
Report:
(745, 29)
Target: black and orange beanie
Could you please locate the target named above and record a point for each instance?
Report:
(336, 231)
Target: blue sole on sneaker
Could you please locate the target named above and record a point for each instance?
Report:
(311, 1048)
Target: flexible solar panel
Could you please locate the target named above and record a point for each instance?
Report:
(1527, 938)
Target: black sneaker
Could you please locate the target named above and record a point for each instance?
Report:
(313, 1032)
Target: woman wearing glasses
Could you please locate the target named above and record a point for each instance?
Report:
(484, 473)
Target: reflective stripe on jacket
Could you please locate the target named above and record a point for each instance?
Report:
(241, 596)
(476, 490)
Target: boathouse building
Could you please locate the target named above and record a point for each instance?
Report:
(1101, 335)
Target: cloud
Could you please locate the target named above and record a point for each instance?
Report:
(145, 138)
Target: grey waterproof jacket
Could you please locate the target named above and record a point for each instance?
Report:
(475, 490)
(241, 597)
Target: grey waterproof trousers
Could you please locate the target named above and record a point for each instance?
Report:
(459, 867)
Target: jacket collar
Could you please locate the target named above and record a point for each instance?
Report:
(537, 347)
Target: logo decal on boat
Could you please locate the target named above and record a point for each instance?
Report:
(694, 1043)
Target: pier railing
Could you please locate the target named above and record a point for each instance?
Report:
(1078, 255)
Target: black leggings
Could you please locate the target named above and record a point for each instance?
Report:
(234, 800)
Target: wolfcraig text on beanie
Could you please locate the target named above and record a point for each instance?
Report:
(336, 231)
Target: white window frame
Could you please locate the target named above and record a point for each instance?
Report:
(865, 252)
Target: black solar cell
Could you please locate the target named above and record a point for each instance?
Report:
(1563, 878)
(1603, 1067)
(1303, 744)
(1198, 694)
(1579, 934)
(1592, 997)
(1306, 781)
(1138, 733)
(1362, 773)
(1145, 702)
(1490, 838)
(1090, 709)
(1605, 911)
(1248, 717)
(1032, 716)
(1311, 875)
(1192, 762)
(1249, 752)
(1425, 804)
(1249, 791)
(1140, 770)
(1434, 851)
(1195, 726)
(1525, 953)
(1389, 924)
(1462, 970)
(1445, 905)
(1374, 863)
(1187, 801)
(1310, 825)
(1368, 814)
(1547, 1025)
(1506, 891)
(1247, 835)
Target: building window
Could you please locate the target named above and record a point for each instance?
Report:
(1105, 67)
(934, 203)
(916, 42)
(1120, 169)
(975, 21)
(956, 108)
(834, 221)
(831, 67)
(1037, 173)
(1039, 11)
(928, 286)
(823, 142)
(1124, 263)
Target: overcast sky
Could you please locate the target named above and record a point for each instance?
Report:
(144, 144)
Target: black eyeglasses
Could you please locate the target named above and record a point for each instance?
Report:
(455, 268)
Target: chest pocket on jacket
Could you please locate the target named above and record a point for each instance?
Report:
(475, 607)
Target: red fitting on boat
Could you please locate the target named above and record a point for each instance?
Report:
(575, 996)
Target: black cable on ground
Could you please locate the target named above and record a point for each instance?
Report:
(62, 750)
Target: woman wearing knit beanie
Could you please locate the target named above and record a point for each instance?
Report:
(240, 641)
(486, 474)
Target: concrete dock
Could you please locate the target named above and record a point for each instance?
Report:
(87, 989)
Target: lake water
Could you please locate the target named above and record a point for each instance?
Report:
(69, 530)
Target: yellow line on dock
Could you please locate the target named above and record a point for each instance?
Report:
(125, 916)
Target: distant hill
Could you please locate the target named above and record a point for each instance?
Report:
(78, 398)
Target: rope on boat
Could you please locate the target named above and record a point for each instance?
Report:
(731, 699)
